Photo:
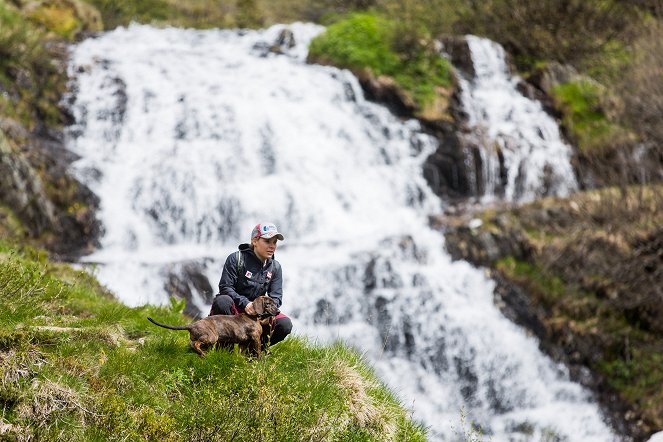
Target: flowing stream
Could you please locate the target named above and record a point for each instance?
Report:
(190, 138)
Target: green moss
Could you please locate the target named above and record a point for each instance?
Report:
(637, 377)
(358, 42)
(549, 287)
(363, 42)
(59, 19)
(584, 115)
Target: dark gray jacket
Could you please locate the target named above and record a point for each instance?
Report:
(250, 279)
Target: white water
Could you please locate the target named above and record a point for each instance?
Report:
(536, 158)
(216, 137)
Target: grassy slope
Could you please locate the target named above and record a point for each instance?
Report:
(594, 269)
(78, 365)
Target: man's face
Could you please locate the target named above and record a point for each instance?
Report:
(264, 248)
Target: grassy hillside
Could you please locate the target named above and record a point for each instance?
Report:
(592, 269)
(78, 366)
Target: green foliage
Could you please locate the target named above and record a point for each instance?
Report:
(79, 366)
(30, 79)
(177, 305)
(583, 109)
(637, 377)
(364, 42)
(360, 41)
(550, 287)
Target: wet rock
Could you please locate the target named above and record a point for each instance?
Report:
(22, 190)
(458, 51)
(188, 281)
(283, 42)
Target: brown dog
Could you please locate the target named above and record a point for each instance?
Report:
(222, 330)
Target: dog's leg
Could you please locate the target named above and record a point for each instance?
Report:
(196, 347)
(254, 346)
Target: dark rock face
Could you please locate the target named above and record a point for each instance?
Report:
(446, 170)
(634, 163)
(22, 189)
(186, 281)
(38, 188)
(76, 227)
(458, 51)
(454, 170)
(384, 90)
(485, 248)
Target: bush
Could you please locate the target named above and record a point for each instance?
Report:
(364, 42)
(582, 105)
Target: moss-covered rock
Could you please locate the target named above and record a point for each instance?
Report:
(417, 83)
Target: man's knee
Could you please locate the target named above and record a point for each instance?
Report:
(283, 325)
(222, 305)
(282, 328)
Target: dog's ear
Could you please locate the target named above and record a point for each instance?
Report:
(259, 305)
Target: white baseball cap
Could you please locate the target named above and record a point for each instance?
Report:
(266, 230)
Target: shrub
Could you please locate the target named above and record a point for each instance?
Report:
(584, 116)
(365, 42)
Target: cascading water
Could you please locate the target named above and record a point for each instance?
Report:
(522, 154)
(191, 137)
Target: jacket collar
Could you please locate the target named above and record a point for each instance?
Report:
(247, 248)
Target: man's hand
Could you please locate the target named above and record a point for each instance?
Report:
(249, 309)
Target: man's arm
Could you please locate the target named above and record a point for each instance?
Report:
(229, 279)
(276, 285)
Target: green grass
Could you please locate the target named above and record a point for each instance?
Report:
(584, 115)
(79, 366)
(362, 41)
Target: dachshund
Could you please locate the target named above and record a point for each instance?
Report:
(227, 330)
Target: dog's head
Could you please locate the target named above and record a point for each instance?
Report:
(265, 306)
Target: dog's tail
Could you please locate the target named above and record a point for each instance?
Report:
(172, 327)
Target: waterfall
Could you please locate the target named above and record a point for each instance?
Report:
(521, 153)
(189, 138)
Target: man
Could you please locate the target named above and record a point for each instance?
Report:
(251, 272)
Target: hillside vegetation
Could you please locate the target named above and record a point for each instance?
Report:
(590, 271)
(78, 366)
